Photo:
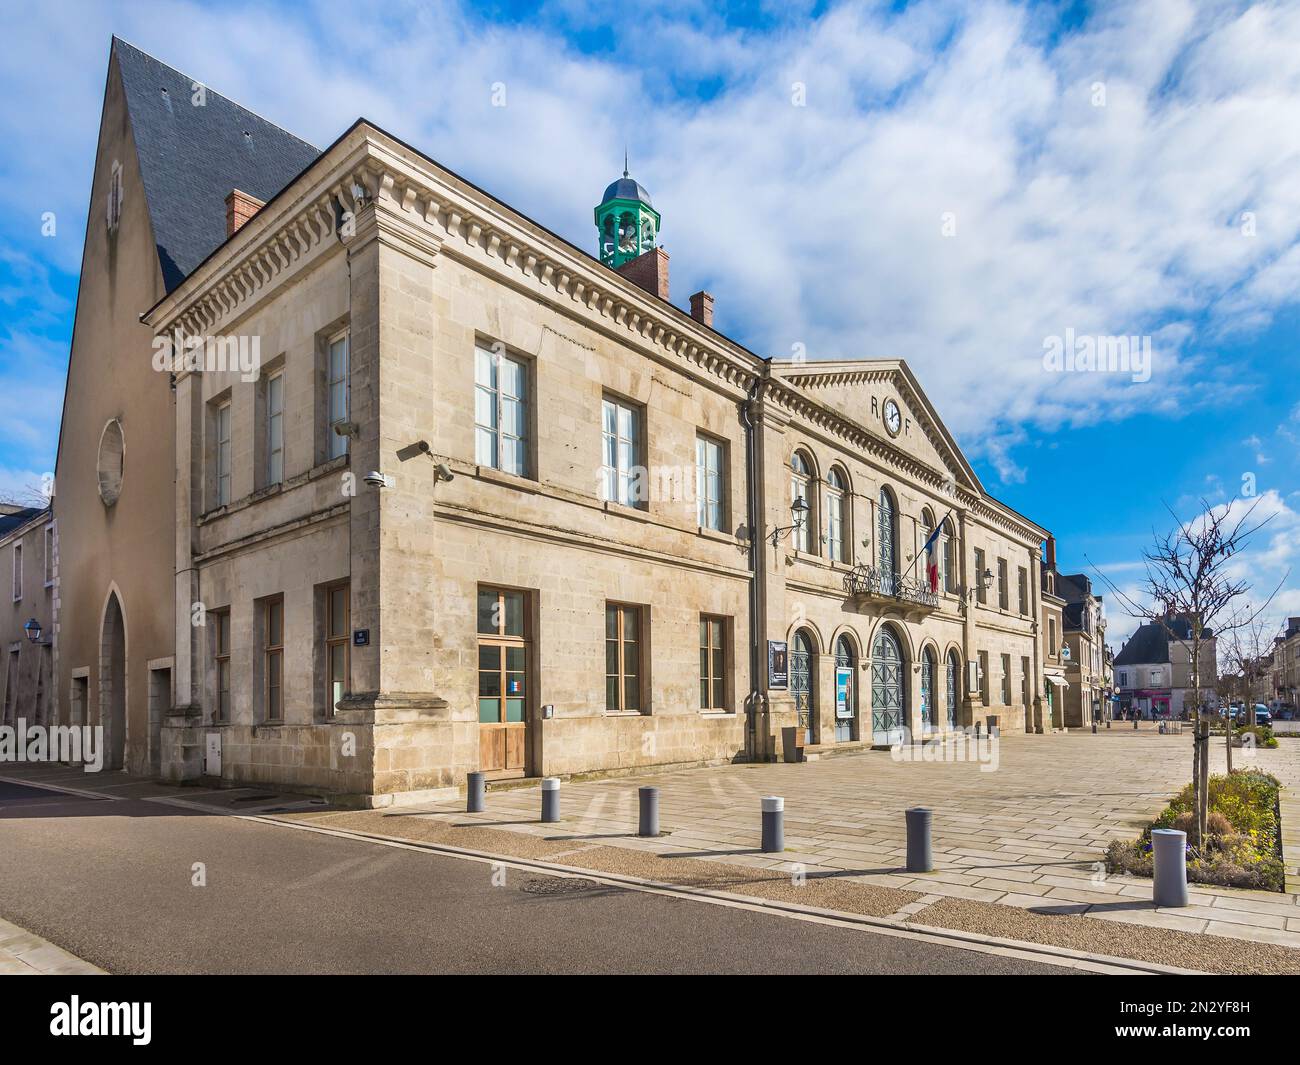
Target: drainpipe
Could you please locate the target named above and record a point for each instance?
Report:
(752, 520)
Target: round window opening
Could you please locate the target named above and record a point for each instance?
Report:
(111, 449)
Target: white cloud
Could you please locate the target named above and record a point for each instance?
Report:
(818, 224)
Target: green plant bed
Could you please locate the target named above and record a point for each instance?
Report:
(1263, 735)
(1243, 835)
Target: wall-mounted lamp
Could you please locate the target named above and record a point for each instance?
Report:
(799, 512)
(33, 630)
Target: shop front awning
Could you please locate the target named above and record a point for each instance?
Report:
(1056, 682)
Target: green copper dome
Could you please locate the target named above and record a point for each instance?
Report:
(627, 225)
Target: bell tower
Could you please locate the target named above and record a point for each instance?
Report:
(627, 225)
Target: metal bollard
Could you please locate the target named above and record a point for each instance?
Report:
(1168, 867)
(1094, 728)
(919, 858)
(1108, 722)
(475, 791)
(1135, 724)
(550, 799)
(773, 824)
(648, 825)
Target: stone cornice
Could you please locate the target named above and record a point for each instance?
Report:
(416, 195)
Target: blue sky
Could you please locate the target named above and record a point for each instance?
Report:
(951, 183)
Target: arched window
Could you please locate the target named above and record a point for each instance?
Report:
(800, 488)
(929, 564)
(887, 540)
(846, 690)
(838, 534)
(948, 557)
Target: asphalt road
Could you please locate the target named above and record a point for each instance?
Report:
(111, 881)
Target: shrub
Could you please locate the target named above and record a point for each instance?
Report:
(1242, 845)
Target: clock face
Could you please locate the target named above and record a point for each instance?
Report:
(893, 417)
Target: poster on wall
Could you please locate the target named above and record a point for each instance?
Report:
(778, 665)
(843, 686)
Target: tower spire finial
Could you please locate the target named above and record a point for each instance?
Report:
(625, 160)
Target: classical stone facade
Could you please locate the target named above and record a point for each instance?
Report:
(481, 502)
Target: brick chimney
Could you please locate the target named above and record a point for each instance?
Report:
(1051, 552)
(649, 270)
(702, 308)
(240, 207)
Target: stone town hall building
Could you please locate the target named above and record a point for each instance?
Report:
(484, 500)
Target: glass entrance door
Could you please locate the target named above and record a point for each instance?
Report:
(502, 682)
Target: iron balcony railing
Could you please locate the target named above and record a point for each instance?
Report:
(867, 582)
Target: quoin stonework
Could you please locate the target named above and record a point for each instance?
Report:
(490, 501)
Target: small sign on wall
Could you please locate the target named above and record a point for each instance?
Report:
(360, 637)
(778, 665)
(212, 754)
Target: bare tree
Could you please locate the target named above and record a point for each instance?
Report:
(28, 495)
(1193, 596)
(1247, 658)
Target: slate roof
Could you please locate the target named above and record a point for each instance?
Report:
(626, 189)
(1148, 644)
(17, 519)
(192, 157)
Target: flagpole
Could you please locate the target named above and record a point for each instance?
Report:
(933, 536)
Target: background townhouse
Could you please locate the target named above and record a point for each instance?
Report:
(1153, 672)
(1085, 640)
(27, 568)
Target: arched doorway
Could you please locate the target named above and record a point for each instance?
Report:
(929, 720)
(112, 684)
(846, 690)
(888, 709)
(950, 695)
(801, 683)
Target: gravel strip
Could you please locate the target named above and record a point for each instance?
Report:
(828, 892)
(1187, 950)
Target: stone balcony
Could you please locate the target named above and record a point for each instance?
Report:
(867, 585)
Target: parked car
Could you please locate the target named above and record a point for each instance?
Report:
(1262, 716)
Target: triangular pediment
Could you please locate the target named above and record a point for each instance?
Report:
(865, 392)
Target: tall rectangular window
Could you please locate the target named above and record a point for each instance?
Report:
(275, 428)
(273, 658)
(1024, 681)
(221, 658)
(622, 658)
(1051, 637)
(1004, 593)
(49, 554)
(500, 412)
(18, 572)
(620, 481)
(981, 591)
(709, 455)
(1006, 680)
(984, 677)
(336, 394)
(338, 608)
(222, 459)
(1022, 587)
(713, 663)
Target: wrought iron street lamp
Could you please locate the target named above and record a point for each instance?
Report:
(799, 508)
(33, 630)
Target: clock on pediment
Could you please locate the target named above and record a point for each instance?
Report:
(892, 417)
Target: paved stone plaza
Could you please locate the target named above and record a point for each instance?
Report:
(1031, 834)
